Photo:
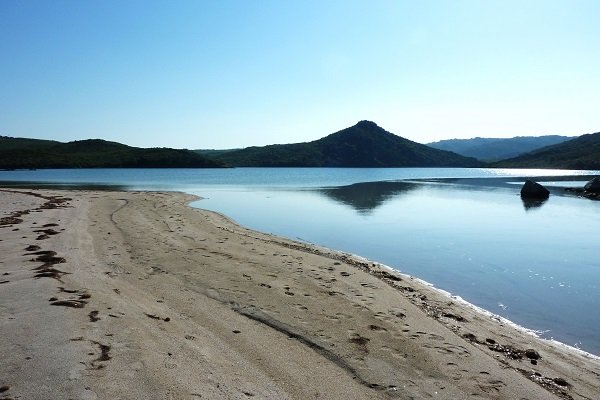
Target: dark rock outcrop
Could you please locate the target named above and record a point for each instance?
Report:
(591, 190)
(533, 190)
(593, 186)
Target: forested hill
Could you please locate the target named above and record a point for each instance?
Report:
(580, 153)
(362, 145)
(494, 149)
(17, 153)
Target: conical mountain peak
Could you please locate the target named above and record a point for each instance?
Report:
(365, 124)
(363, 145)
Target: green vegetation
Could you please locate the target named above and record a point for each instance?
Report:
(212, 153)
(17, 153)
(580, 153)
(362, 145)
(495, 149)
(11, 144)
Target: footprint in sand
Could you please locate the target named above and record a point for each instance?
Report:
(489, 385)
(395, 352)
(377, 328)
(360, 342)
(448, 348)
(455, 372)
(169, 362)
(93, 315)
(369, 285)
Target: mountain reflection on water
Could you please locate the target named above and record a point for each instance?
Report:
(532, 204)
(365, 197)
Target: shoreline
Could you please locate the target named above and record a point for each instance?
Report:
(358, 259)
(485, 312)
(363, 262)
(488, 313)
(589, 347)
(189, 304)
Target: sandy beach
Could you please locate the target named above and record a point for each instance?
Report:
(136, 295)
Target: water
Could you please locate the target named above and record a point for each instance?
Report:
(179, 179)
(469, 233)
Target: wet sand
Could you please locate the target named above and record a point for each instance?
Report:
(108, 295)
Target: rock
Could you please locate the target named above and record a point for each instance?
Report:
(593, 186)
(470, 337)
(533, 190)
(532, 354)
(561, 382)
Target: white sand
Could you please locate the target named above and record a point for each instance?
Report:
(180, 303)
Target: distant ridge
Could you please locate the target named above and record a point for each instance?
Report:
(494, 149)
(21, 153)
(580, 153)
(362, 145)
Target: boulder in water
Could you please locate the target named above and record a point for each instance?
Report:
(533, 190)
(593, 186)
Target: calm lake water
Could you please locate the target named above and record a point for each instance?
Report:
(464, 230)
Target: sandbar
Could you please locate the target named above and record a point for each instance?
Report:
(130, 295)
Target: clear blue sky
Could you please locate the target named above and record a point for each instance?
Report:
(222, 74)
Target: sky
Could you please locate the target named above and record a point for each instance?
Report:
(229, 74)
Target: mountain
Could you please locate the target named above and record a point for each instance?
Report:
(580, 153)
(213, 153)
(494, 149)
(18, 153)
(362, 145)
(10, 143)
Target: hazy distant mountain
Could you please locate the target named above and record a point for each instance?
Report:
(494, 149)
(362, 145)
(93, 153)
(579, 153)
